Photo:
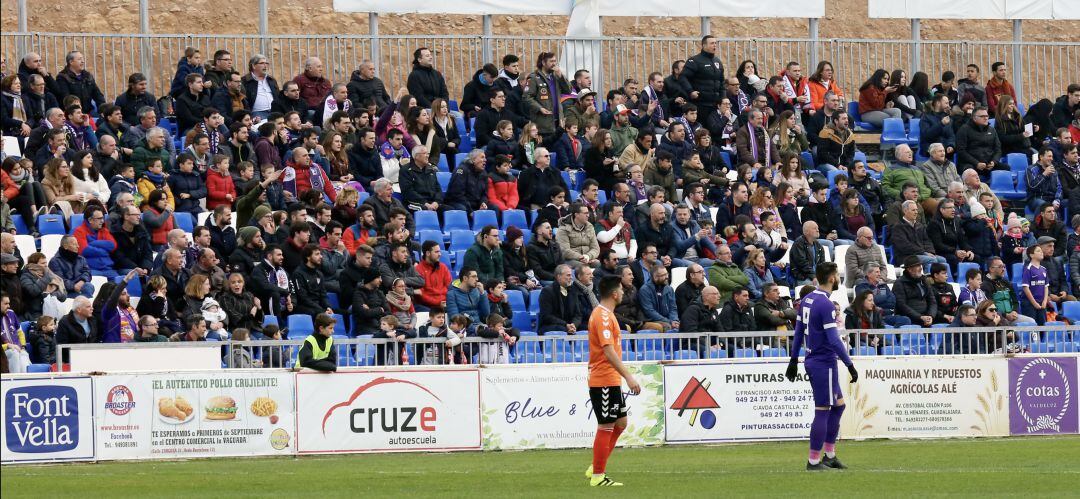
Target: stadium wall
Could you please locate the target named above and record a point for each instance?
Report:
(172, 415)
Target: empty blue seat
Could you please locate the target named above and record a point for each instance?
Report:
(134, 287)
(807, 159)
(20, 225)
(455, 220)
(50, 224)
(745, 353)
(426, 220)
(865, 350)
(339, 325)
(516, 299)
(184, 221)
(461, 240)
(515, 218)
(774, 352)
(444, 164)
(1001, 183)
(483, 218)
(685, 355)
(270, 320)
(893, 132)
(653, 355)
(914, 125)
(534, 301)
(717, 353)
(38, 368)
(1071, 311)
(444, 180)
(300, 326)
(894, 350)
(522, 321)
(1018, 162)
(431, 235)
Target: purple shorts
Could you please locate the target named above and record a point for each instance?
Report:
(825, 381)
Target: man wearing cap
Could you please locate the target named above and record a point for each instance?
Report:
(583, 112)
(913, 297)
(623, 133)
(1055, 273)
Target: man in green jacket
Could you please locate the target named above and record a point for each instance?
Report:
(725, 275)
(543, 89)
(485, 255)
(151, 147)
(904, 170)
(622, 132)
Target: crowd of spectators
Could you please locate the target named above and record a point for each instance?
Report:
(308, 195)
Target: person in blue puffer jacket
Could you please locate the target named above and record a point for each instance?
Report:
(190, 63)
(96, 243)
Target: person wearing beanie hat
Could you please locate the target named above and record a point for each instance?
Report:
(369, 303)
(248, 252)
(260, 211)
(516, 263)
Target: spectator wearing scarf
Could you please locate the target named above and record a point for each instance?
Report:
(753, 144)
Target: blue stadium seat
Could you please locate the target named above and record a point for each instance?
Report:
(339, 326)
(865, 350)
(134, 287)
(444, 180)
(629, 356)
(808, 160)
(1018, 162)
(726, 158)
(717, 353)
(482, 218)
(427, 220)
(832, 177)
(534, 301)
(685, 355)
(300, 326)
(51, 224)
(893, 132)
(516, 299)
(856, 117)
(1071, 311)
(452, 104)
(962, 270)
(914, 124)
(522, 321)
(444, 164)
(515, 218)
(455, 220)
(38, 368)
(363, 196)
(184, 221)
(894, 350)
(1001, 183)
(1017, 272)
(461, 240)
(75, 221)
(431, 235)
(20, 225)
(745, 353)
(774, 352)
(459, 262)
(270, 320)
(653, 355)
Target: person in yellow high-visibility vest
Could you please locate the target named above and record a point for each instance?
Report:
(318, 350)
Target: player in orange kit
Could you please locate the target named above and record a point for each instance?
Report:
(606, 372)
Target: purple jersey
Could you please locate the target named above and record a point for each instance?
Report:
(1034, 279)
(817, 321)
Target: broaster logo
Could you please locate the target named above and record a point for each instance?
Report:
(405, 419)
(120, 400)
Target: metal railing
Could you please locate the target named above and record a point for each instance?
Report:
(562, 348)
(1044, 68)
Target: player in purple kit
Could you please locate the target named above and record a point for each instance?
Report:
(1033, 283)
(817, 320)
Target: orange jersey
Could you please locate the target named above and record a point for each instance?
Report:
(603, 330)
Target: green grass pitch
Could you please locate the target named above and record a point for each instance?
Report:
(1030, 467)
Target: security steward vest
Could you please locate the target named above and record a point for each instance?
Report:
(316, 352)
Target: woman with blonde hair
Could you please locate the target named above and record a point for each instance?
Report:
(344, 211)
(59, 187)
(196, 290)
(530, 140)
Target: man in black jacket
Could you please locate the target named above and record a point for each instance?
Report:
(352, 276)
(909, 237)
(364, 86)
(317, 352)
(189, 105)
(76, 80)
(474, 98)
(310, 295)
(535, 182)
(737, 316)
(425, 83)
(369, 303)
(289, 100)
(691, 289)
(544, 253)
(559, 310)
(806, 254)
(383, 201)
(978, 145)
(250, 250)
(365, 163)
(78, 326)
(258, 76)
(420, 184)
(946, 232)
(132, 242)
(494, 112)
(468, 186)
(508, 82)
(702, 78)
(913, 297)
(271, 284)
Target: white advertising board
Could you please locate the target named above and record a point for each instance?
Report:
(735, 401)
(549, 407)
(384, 411)
(191, 414)
(47, 419)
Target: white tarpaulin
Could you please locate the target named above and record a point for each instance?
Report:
(692, 8)
(975, 9)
